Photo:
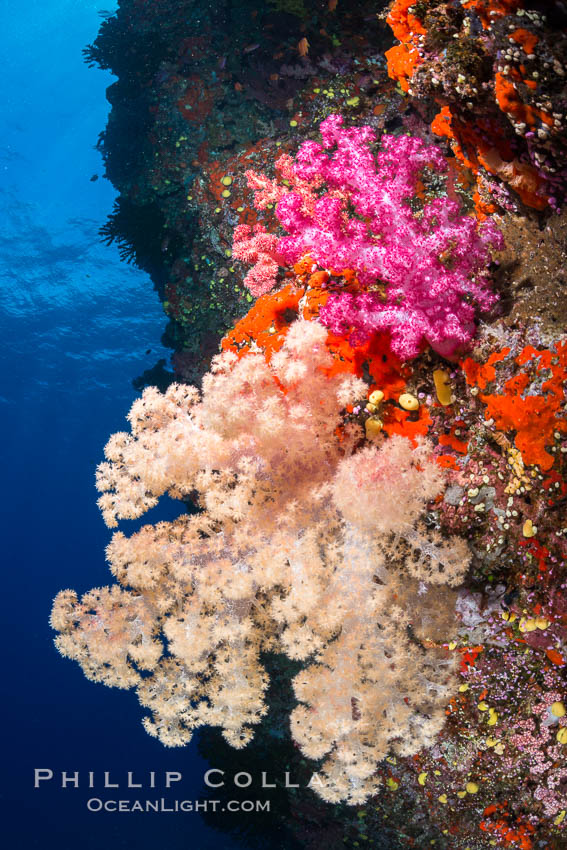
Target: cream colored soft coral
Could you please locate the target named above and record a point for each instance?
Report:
(302, 547)
(244, 446)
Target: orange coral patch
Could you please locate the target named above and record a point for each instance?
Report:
(534, 418)
(402, 22)
(483, 208)
(266, 323)
(509, 101)
(397, 421)
(529, 352)
(480, 374)
(386, 370)
(441, 124)
(488, 10)
(527, 39)
(555, 657)
(402, 60)
(453, 442)
(468, 656)
(447, 462)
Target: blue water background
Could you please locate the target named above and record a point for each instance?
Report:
(76, 324)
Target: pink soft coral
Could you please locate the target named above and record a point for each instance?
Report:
(349, 208)
(258, 247)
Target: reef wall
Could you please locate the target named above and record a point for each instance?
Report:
(361, 207)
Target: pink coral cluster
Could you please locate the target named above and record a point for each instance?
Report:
(255, 245)
(537, 747)
(424, 272)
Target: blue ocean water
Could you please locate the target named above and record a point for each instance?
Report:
(77, 325)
